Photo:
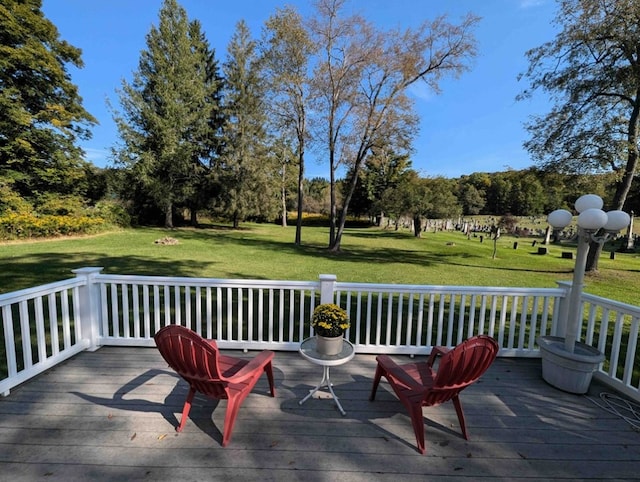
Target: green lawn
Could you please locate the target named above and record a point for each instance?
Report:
(265, 251)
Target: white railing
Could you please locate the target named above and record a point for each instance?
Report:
(411, 319)
(246, 314)
(613, 327)
(97, 309)
(40, 328)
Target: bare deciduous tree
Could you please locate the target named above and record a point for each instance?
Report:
(361, 83)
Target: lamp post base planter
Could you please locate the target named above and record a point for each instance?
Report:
(329, 345)
(570, 372)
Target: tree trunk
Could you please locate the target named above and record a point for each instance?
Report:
(333, 214)
(624, 185)
(417, 227)
(595, 249)
(284, 199)
(168, 215)
(193, 212)
(298, 240)
(335, 245)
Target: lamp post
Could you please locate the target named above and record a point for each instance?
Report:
(578, 365)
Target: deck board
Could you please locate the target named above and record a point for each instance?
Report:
(110, 415)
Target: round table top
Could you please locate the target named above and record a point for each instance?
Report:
(308, 350)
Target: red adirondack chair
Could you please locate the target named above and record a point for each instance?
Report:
(419, 385)
(216, 376)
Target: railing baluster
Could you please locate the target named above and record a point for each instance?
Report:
(115, 310)
(450, 319)
(25, 331)
(632, 346)
(281, 316)
(472, 317)
(523, 322)
(512, 322)
(240, 314)
(136, 310)
(66, 320)
(40, 336)
(187, 307)
(126, 329)
(408, 339)
(53, 324)
(503, 319)
(430, 320)
(261, 316)
(210, 313)
(156, 307)
(9, 342)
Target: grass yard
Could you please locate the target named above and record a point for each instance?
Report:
(265, 251)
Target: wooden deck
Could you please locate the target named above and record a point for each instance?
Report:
(110, 415)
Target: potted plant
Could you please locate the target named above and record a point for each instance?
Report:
(329, 322)
(567, 363)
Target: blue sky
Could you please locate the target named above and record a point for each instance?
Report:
(474, 125)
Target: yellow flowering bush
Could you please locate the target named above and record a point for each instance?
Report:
(329, 320)
(30, 225)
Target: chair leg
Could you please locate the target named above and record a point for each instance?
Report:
(415, 411)
(186, 409)
(463, 426)
(269, 370)
(376, 382)
(233, 407)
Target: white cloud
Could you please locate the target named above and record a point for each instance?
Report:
(421, 91)
(531, 3)
(98, 157)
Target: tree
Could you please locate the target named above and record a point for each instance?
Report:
(381, 171)
(471, 198)
(499, 194)
(210, 137)
(288, 50)
(361, 83)
(41, 113)
(165, 112)
(247, 175)
(316, 199)
(591, 70)
(415, 200)
(443, 202)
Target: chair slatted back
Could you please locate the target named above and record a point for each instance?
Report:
(193, 358)
(462, 366)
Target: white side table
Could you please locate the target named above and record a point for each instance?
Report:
(308, 350)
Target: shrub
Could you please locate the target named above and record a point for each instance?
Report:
(20, 226)
(113, 213)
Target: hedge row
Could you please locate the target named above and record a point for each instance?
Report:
(21, 226)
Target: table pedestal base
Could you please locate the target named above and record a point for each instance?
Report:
(326, 382)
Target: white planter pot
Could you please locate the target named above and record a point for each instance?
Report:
(329, 345)
(571, 372)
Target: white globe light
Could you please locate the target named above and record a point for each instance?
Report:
(588, 201)
(560, 218)
(617, 220)
(592, 219)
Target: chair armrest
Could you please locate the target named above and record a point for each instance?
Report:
(256, 363)
(392, 368)
(437, 350)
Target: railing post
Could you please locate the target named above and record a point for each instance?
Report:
(563, 312)
(327, 288)
(90, 305)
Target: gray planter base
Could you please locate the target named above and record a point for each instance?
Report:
(571, 372)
